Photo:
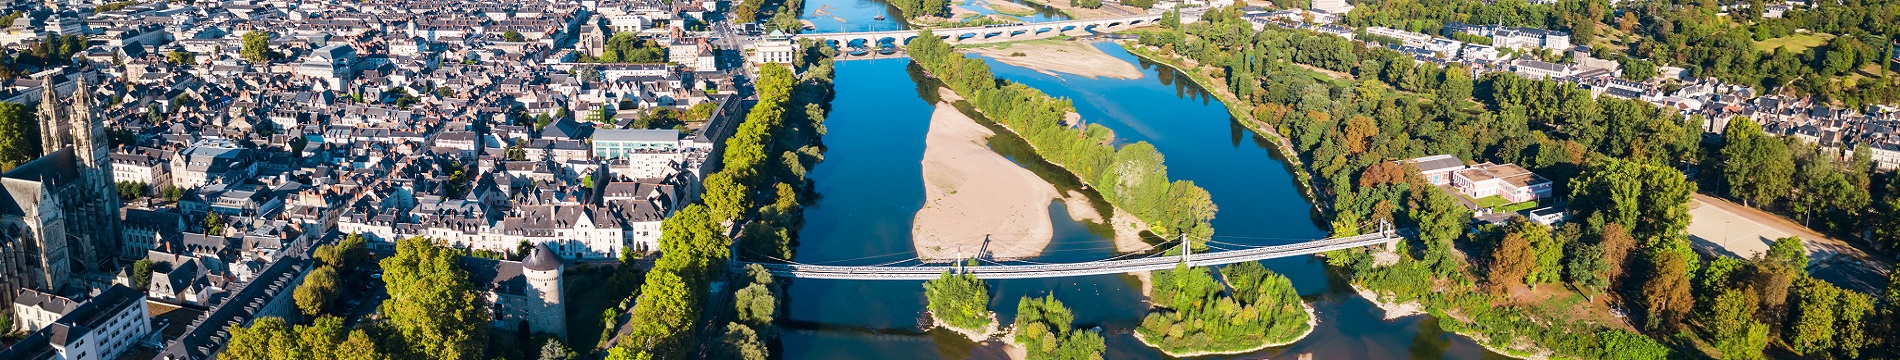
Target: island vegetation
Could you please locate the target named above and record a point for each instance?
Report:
(1132, 177)
(1349, 112)
(961, 301)
(1044, 328)
(1196, 315)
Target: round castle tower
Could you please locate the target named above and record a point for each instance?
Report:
(543, 270)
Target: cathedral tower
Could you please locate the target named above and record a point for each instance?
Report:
(51, 117)
(92, 148)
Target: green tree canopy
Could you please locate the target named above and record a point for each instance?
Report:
(431, 302)
(960, 300)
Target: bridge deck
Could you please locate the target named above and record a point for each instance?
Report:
(1075, 269)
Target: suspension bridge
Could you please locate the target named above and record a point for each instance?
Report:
(1028, 270)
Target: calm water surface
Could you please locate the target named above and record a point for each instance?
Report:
(871, 185)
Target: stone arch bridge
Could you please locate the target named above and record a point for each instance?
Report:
(991, 33)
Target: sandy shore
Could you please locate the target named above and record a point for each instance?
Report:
(974, 335)
(977, 202)
(1312, 322)
(1127, 227)
(1392, 311)
(1070, 57)
(1007, 8)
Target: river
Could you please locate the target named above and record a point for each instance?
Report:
(870, 186)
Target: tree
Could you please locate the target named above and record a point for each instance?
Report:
(142, 274)
(1441, 221)
(741, 343)
(1617, 245)
(960, 301)
(1667, 296)
(1730, 324)
(319, 288)
(19, 135)
(755, 305)
(1828, 319)
(512, 36)
(1637, 69)
(1758, 168)
(431, 302)
(1044, 327)
(1511, 262)
(1585, 268)
(257, 47)
(268, 338)
(359, 346)
(553, 350)
(726, 197)
(181, 58)
(214, 225)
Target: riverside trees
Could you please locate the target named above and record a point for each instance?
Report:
(1132, 178)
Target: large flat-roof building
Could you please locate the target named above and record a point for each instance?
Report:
(100, 328)
(1508, 181)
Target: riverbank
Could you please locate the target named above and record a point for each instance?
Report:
(1060, 56)
(1393, 308)
(1312, 322)
(977, 203)
(1127, 227)
(1078, 13)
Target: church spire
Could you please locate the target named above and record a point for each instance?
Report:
(51, 138)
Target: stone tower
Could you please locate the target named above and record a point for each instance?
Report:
(544, 310)
(92, 147)
(91, 201)
(52, 117)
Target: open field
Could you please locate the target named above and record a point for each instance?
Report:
(1794, 43)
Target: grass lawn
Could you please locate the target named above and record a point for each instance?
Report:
(1794, 43)
(1527, 205)
(1491, 201)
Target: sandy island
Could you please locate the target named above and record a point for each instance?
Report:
(1070, 57)
(977, 202)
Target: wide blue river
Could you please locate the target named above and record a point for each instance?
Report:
(870, 186)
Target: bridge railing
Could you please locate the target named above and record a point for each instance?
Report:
(1076, 269)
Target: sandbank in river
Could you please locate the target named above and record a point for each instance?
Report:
(1069, 57)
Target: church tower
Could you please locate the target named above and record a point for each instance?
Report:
(99, 203)
(51, 117)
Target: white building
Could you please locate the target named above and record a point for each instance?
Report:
(780, 50)
(100, 328)
(1509, 181)
(33, 309)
